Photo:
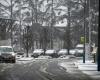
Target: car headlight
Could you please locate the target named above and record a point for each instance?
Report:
(13, 54)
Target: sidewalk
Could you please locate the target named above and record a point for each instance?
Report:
(88, 68)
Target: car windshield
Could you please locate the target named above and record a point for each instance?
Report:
(5, 49)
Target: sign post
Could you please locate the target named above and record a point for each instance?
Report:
(83, 41)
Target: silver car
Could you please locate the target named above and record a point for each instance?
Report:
(7, 54)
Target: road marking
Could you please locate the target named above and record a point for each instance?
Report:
(44, 68)
(44, 78)
(62, 68)
(69, 68)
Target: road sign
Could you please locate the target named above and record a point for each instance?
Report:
(82, 40)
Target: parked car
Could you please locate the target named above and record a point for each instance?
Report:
(79, 50)
(62, 52)
(72, 51)
(51, 53)
(37, 52)
(20, 54)
(7, 54)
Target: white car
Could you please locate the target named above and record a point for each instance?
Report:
(37, 52)
(20, 55)
(7, 54)
(63, 52)
(51, 53)
(79, 50)
(72, 51)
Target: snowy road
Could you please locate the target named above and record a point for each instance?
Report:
(43, 69)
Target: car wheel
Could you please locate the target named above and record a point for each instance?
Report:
(0, 60)
(13, 61)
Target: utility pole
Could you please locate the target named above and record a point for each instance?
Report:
(32, 32)
(20, 24)
(11, 23)
(68, 31)
(98, 49)
(84, 30)
(89, 27)
(36, 10)
(52, 26)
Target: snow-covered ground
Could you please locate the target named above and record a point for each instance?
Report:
(66, 57)
(44, 57)
(26, 58)
(88, 68)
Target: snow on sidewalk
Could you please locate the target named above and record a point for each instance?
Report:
(88, 68)
(68, 67)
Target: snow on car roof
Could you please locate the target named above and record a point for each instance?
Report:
(72, 50)
(50, 51)
(7, 46)
(63, 50)
(80, 45)
(38, 51)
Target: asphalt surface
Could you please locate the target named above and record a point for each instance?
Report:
(47, 69)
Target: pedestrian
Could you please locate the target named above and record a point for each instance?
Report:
(94, 52)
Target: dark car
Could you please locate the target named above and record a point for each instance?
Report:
(20, 54)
